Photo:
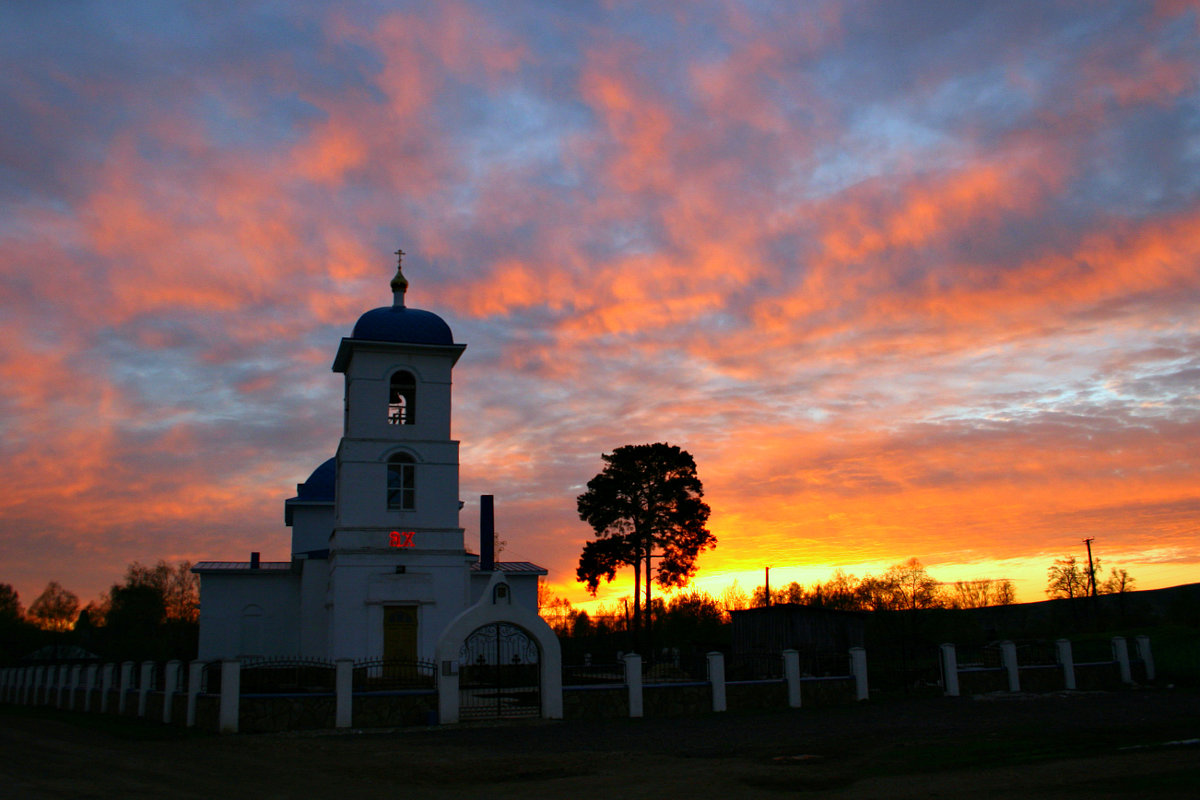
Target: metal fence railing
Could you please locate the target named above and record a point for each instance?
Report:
(382, 675)
(594, 674)
(288, 676)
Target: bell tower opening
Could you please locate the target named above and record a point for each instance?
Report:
(402, 396)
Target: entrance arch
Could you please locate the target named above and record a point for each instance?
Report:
(509, 630)
(499, 674)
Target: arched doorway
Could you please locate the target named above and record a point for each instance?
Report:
(499, 673)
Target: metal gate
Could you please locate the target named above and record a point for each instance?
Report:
(499, 674)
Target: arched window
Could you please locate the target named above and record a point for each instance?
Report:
(402, 482)
(402, 398)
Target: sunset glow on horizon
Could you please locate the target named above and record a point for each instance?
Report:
(906, 279)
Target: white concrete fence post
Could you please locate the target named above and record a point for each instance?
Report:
(1121, 655)
(144, 680)
(60, 685)
(170, 686)
(195, 677)
(344, 684)
(950, 669)
(1067, 661)
(126, 681)
(791, 672)
(1008, 657)
(74, 685)
(89, 687)
(716, 677)
(231, 696)
(45, 681)
(858, 668)
(106, 684)
(633, 680)
(1143, 651)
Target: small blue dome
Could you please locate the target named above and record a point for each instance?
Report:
(320, 485)
(404, 325)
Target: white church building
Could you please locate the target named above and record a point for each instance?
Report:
(379, 568)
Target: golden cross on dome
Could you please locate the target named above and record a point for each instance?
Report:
(400, 258)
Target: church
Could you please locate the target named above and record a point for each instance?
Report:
(379, 568)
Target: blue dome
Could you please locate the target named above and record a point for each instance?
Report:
(320, 485)
(405, 325)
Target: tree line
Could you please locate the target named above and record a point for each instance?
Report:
(904, 586)
(151, 613)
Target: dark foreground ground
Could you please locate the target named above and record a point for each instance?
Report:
(1138, 743)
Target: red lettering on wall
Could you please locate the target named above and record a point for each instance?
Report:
(402, 539)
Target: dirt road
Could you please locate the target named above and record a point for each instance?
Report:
(1121, 744)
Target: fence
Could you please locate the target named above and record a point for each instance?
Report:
(303, 693)
(1042, 666)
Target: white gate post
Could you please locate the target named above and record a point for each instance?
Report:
(1143, 650)
(858, 668)
(449, 700)
(716, 677)
(1121, 656)
(1008, 657)
(791, 672)
(633, 679)
(195, 676)
(170, 685)
(231, 695)
(344, 683)
(950, 669)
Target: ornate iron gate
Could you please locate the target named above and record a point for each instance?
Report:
(499, 674)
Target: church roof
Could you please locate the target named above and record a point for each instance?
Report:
(402, 325)
(397, 324)
(242, 566)
(319, 487)
(516, 567)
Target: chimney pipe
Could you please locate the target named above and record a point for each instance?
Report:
(254, 561)
(487, 533)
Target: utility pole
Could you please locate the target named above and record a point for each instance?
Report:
(1091, 569)
(767, 587)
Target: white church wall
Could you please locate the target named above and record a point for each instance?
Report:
(246, 613)
(312, 524)
(313, 619)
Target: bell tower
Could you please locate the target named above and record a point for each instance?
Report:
(396, 545)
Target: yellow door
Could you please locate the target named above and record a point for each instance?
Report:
(400, 633)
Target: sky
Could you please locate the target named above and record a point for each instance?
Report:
(907, 279)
